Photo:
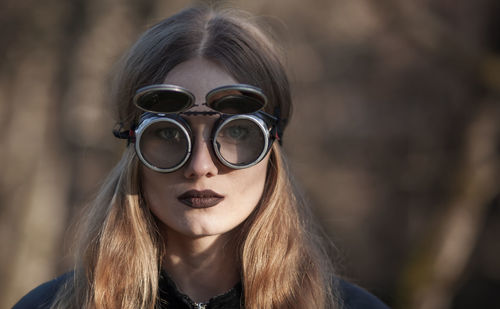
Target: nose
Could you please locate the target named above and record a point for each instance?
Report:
(201, 163)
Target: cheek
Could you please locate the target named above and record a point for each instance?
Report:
(248, 186)
(155, 187)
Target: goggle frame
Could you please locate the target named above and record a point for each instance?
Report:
(263, 121)
(267, 123)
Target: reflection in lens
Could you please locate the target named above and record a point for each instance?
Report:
(236, 104)
(164, 144)
(240, 142)
(164, 101)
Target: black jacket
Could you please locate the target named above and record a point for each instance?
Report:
(353, 297)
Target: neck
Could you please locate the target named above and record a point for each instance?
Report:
(201, 267)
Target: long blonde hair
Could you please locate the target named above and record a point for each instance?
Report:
(284, 262)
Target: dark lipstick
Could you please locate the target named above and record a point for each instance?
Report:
(200, 199)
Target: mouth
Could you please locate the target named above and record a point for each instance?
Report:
(200, 199)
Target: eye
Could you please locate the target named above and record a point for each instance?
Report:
(169, 134)
(236, 132)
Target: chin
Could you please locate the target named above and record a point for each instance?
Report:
(204, 229)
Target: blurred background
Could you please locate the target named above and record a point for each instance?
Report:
(395, 137)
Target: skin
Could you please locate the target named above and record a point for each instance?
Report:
(199, 257)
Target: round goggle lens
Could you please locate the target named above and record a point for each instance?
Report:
(240, 142)
(164, 101)
(236, 104)
(164, 144)
(242, 99)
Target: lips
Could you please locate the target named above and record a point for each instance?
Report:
(200, 199)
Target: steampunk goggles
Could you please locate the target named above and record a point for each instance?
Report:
(241, 136)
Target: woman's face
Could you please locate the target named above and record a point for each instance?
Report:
(204, 197)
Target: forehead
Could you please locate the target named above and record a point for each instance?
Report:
(199, 76)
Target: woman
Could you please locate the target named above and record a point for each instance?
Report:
(200, 212)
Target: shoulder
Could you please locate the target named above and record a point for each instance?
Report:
(42, 296)
(354, 297)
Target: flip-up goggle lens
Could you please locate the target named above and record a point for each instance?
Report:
(163, 99)
(232, 99)
(236, 99)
